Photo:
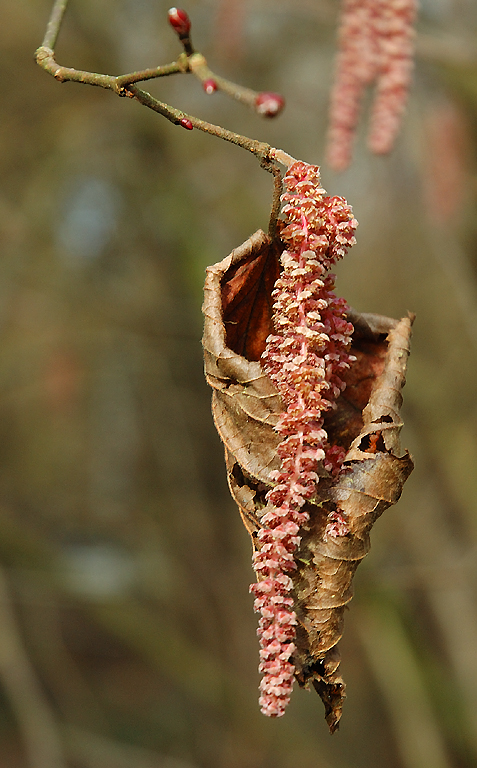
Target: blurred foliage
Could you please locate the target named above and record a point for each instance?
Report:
(127, 636)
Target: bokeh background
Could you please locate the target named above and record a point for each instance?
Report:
(127, 637)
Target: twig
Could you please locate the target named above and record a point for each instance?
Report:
(54, 24)
(181, 65)
(259, 148)
(123, 86)
(276, 200)
(199, 67)
(189, 61)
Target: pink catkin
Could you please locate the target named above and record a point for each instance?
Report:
(306, 359)
(394, 29)
(375, 45)
(356, 68)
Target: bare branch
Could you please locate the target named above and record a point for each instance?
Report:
(45, 58)
(276, 199)
(189, 61)
(176, 67)
(199, 67)
(54, 24)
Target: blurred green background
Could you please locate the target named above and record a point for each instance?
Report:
(127, 636)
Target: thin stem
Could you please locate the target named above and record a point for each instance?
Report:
(199, 67)
(276, 201)
(54, 24)
(281, 157)
(124, 85)
(188, 61)
(238, 92)
(176, 67)
(120, 85)
(45, 58)
(187, 43)
(145, 98)
(259, 148)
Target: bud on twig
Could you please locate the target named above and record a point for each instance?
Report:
(186, 123)
(269, 104)
(209, 85)
(179, 21)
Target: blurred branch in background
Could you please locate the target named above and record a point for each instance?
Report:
(397, 670)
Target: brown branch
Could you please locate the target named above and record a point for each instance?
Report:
(199, 67)
(188, 62)
(54, 24)
(176, 67)
(124, 85)
(276, 199)
(46, 59)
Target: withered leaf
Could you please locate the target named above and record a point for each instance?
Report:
(246, 300)
(366, 422)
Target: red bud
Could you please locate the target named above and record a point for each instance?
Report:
(186, 123)
(179, 20)
(269, 104)
(209, 85)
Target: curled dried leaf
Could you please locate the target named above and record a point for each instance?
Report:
(366, 423)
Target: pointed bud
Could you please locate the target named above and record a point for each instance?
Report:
(269, 104)
(209, 85)
(179, 21)
(186, 123)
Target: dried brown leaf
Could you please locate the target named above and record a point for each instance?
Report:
(366, 422)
